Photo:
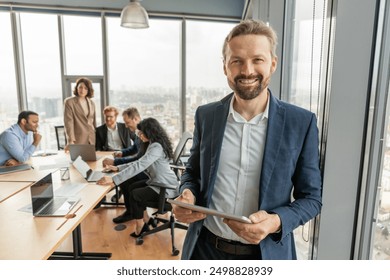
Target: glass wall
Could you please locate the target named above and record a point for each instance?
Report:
(304, 80)
(380, 219)
(8, 94)
(144, 70)
(380, 249)
(205, 79)
(144, 67)
(43, 73)
(83, 45)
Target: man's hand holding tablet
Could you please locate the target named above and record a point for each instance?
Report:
(208, 211)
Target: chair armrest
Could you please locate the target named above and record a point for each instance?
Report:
(162, 198)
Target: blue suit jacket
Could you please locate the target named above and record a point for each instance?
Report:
(290, 169)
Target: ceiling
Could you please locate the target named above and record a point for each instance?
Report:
(232, 9)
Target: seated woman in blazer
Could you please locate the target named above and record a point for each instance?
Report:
(157, 152)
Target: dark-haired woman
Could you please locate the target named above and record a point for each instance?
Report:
(157, 152)
(80, 114)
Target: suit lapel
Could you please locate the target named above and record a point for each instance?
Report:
(217, 132)
(275, 130)
(120, 133)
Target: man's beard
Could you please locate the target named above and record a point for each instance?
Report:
(248, 93)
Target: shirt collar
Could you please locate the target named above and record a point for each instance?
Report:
(255, 120)
(112, 130)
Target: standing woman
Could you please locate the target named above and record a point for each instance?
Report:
(157, 152)
(80, 114)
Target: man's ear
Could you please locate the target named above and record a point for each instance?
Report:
(23, 121)
(274, 64)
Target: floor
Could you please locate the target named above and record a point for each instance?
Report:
(99, 234)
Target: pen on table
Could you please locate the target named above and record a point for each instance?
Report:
(32, 167)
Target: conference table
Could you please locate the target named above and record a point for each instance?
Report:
(25, 237)
(8, 189)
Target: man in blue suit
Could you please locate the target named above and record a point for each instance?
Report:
(252, 155)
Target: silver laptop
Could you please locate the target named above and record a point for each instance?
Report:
(44, 203)
(85, 171)
(86, 151)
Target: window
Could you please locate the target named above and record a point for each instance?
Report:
(381, 230)
(9, 104)
(83, 45)
(144, 67)
(304, 56)
(43, 72)
(378, 219)
(206, 81)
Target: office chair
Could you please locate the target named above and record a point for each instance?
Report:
(61, 137)
(112, 203)
(163, 206)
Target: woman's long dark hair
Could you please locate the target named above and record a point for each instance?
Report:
(153, 130)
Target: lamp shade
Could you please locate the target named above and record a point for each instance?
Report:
(134, 16)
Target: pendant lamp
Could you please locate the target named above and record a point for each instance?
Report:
(134, 16)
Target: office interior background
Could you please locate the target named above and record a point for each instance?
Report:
(334, 58)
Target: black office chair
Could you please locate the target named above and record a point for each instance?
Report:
(61, 137)
(163, 206)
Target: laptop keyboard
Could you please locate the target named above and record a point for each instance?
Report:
(96, 175)
(53, 205)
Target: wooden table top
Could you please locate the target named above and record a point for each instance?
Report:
(25, 237)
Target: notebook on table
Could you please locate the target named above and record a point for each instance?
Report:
(86, 151)
(44, 203)
(85, 171)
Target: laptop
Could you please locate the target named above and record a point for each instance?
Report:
(15, 168)
(85, 171)
(45, 204)
(86, 151)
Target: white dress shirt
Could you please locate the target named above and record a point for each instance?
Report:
(114, 142)
(236, 189)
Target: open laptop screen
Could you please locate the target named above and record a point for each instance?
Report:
(82, 167)
(42, 192)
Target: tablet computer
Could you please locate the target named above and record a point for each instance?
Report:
(209, 211)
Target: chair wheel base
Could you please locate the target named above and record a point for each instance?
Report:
(139, 241)
(153, 222)
(175, 252)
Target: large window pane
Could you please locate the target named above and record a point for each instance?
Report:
(83, 45)
(381, 233)
(304, 86)
(43, 75)
(206, 81)
(144, 67)
(8, 94)
(306, 58)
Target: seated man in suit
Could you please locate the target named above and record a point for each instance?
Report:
(131, 118)
(113, 135)
(19, 142)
